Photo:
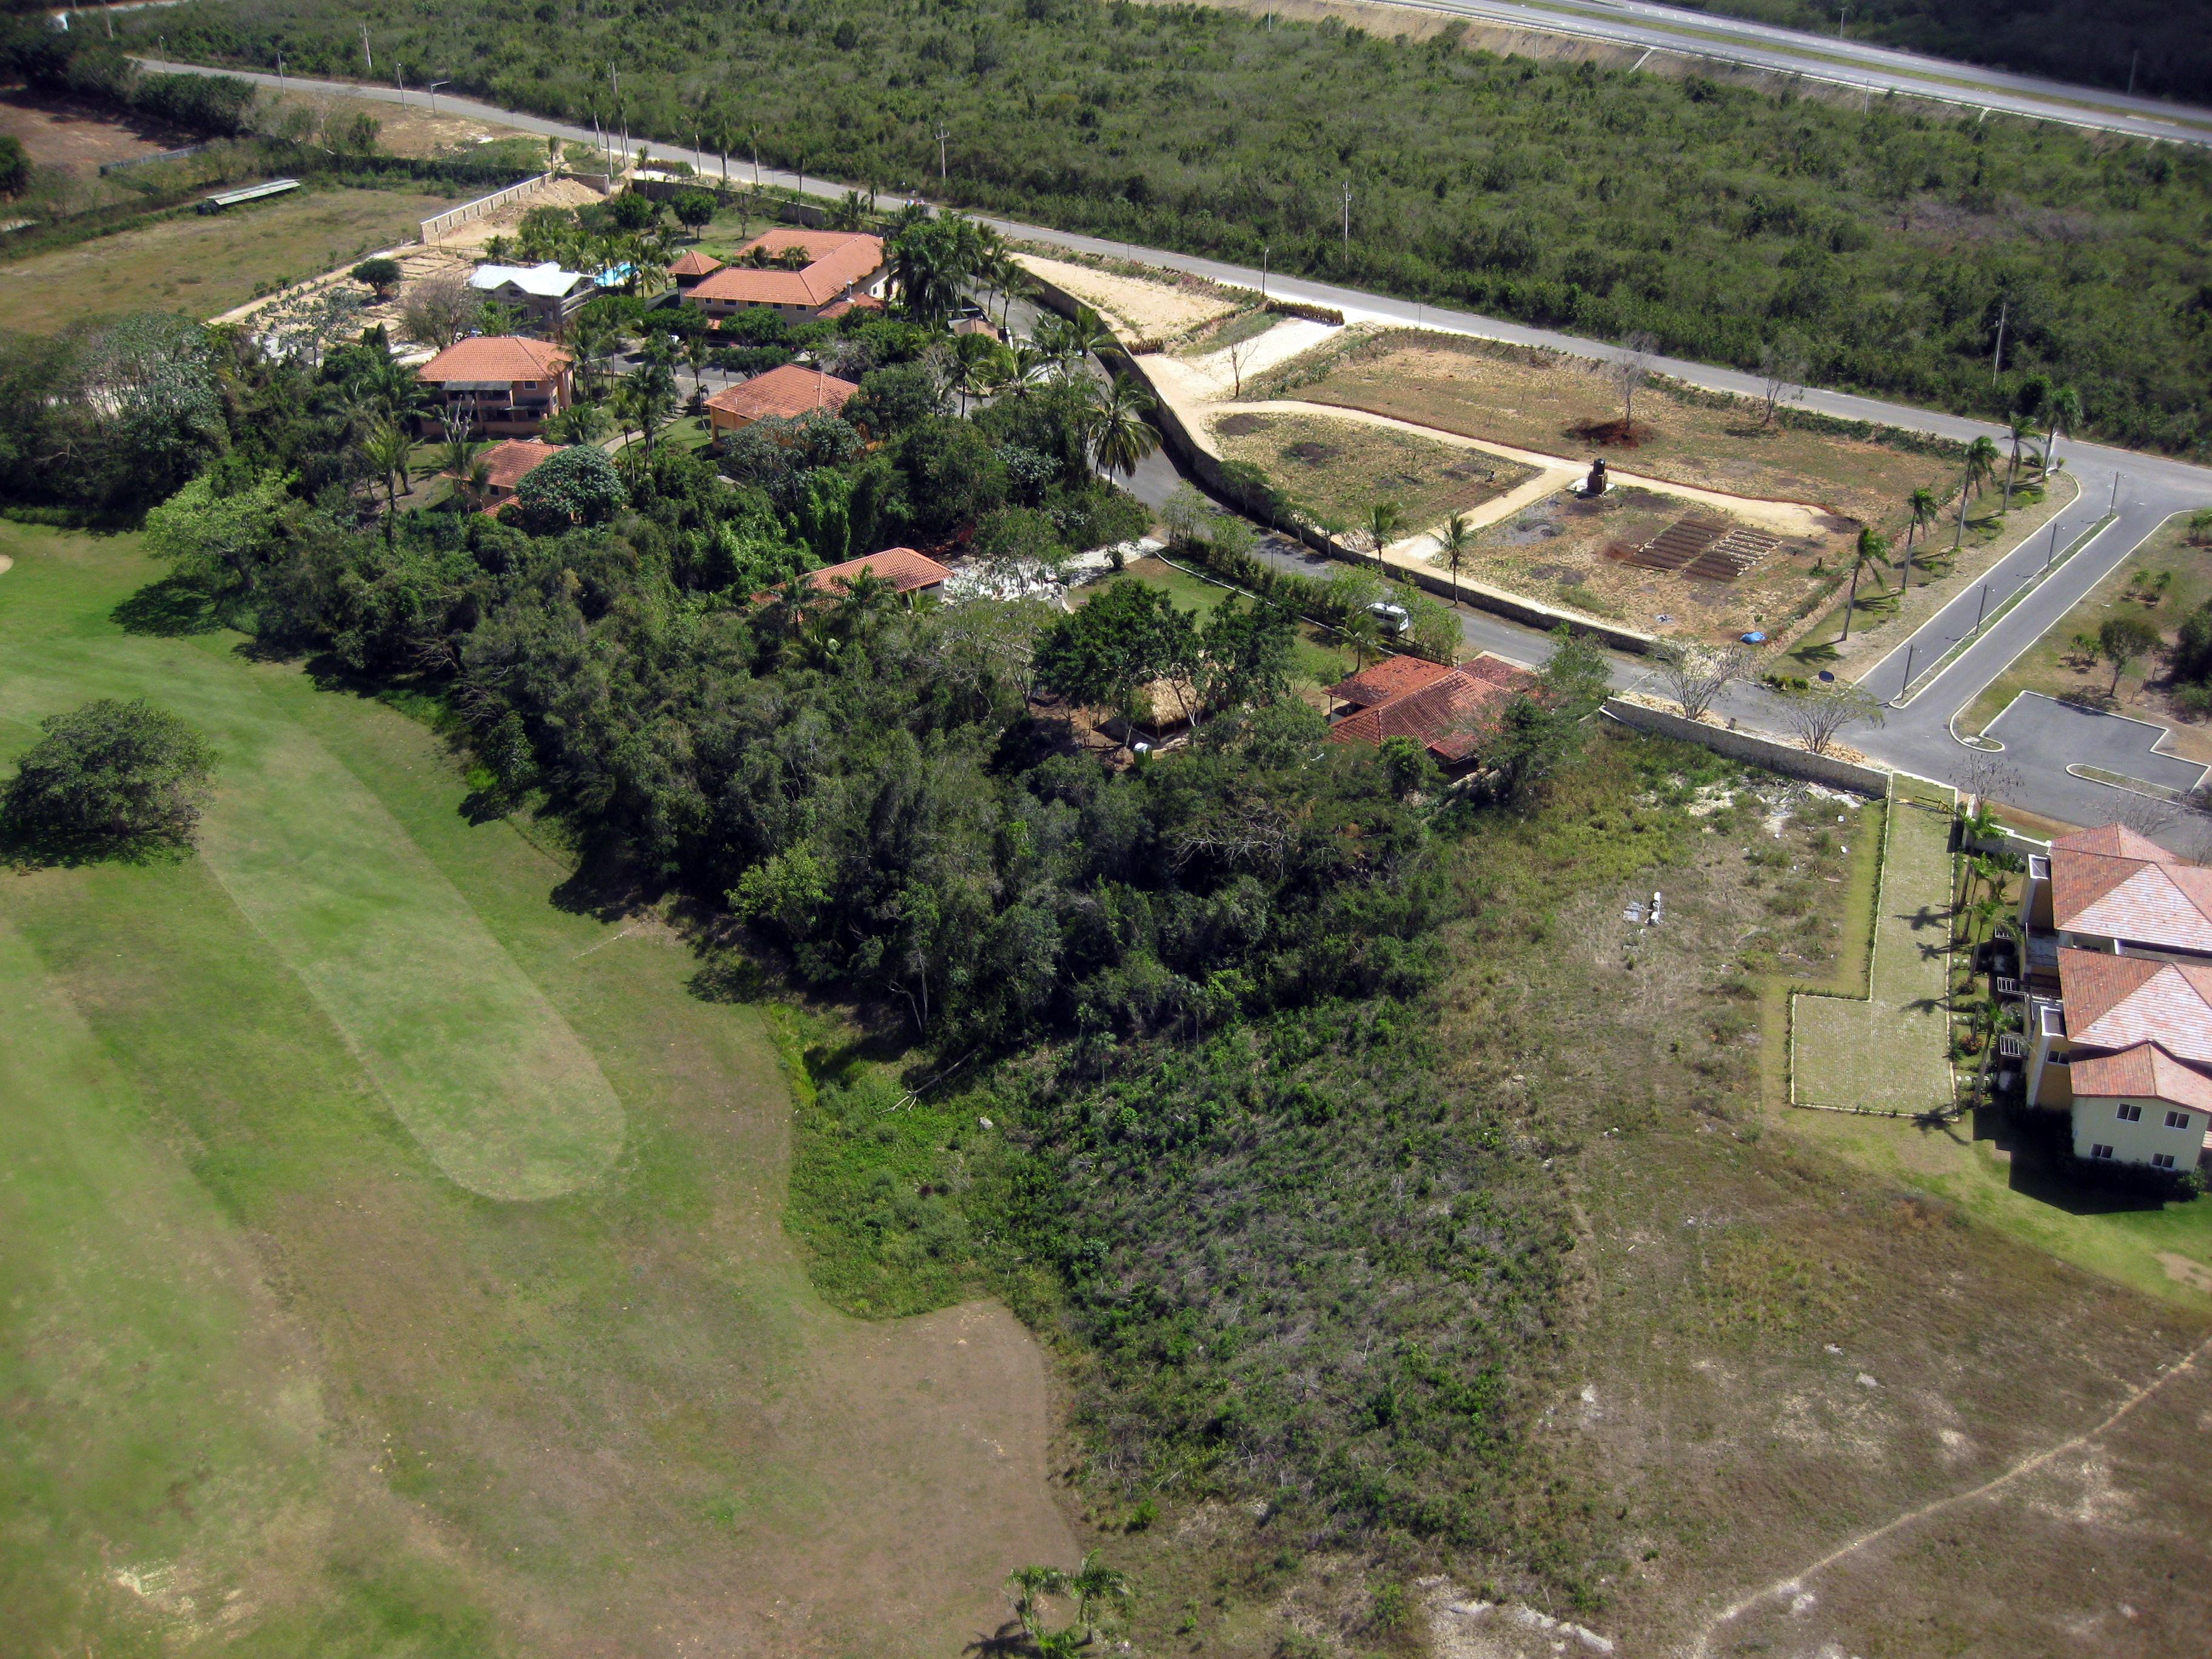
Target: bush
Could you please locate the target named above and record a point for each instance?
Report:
(106, 775)
(15, 165)
(578, 486)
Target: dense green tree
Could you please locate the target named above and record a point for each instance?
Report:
(579, 486)
(108, 776)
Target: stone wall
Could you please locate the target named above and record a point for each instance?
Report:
(1754, 749)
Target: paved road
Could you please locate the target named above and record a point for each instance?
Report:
(1850, 63)
(2145, 491)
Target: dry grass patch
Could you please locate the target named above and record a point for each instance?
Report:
(1554, 404)
(1341, 469)
(1152, 305)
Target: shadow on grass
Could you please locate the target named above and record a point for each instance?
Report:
(169, 609)
(38, 848)
(2039, 1169)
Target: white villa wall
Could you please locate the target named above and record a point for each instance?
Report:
(2097, 1121)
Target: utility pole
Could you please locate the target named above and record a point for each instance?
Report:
(1347, 219)
(1996, 358)
(367, 57)
(2113, 506)
(2051, 552)
(1263, 259)
(755, 138)
(1841, 22)
(942, 135)
(1980, 612)
(435, 85)
(2132, 62)
(280, 75)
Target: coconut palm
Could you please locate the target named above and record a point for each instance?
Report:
(387, 446)
(1071, 339)
(2020, 428)
(2064, 413)
(653, 398)
(1869, 554)
(1120, 435)
(1028, 1584)
(1382, 527)
(1361, 630)
(1924, 507)
(850, 212)
(1452, 548)
(1094, 1582)
(1981, 466)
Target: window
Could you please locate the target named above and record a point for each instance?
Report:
(2177, 1120)
(2100, 1150)
(2161, 1160)
(2130, 1113)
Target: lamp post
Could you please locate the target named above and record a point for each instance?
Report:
(433, 90)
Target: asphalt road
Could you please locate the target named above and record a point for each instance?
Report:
(2144, 490)
(1853, 65)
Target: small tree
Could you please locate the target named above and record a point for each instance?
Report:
(578, 486)
(1819, 713)
(1540, 730)
(1696, 675)
(1383, 519)
(2123, 639)
(1094, 1582)
(107, 776)
(1454, 542)
(1628, 368)
(1027, 1585)
(439, 309)
(694, 210)
(1781, 370)
(380, 276)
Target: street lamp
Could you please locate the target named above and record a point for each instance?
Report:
(433, 90)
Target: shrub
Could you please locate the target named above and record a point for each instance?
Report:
(380, 274)
(578, 486)
(108, 774)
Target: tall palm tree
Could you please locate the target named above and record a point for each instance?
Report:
(1382, 527)
(1452, 548)
(1362, 631)
(387, 446)
(1981, 466)
(1924, 507)
(1028, 1584)
(1120, 435)
(2063, 411)
(1869, 554)
(653, 395)
(1094, 1582)
(2020, 428)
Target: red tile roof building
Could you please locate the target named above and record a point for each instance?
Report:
(906, 570)
(1448, 712)
(507, 464)
(511, 386)
(693, 265)
(2125, 1043)
(782, 394)
(827, 266)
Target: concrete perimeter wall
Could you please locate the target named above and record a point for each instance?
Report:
(1202, 463)
(1754, 750)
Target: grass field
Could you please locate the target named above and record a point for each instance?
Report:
(1318, 660)
(322, 1394)
(2160, 583)
(204, 265)
(1537, 400)
(1341, 469)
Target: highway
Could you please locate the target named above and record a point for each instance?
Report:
(1851, 65)
(2139, 491)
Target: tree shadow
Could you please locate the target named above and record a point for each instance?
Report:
(1009, 1638)
(169, 609)
(38, 848)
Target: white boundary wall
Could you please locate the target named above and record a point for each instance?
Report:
(438, 224)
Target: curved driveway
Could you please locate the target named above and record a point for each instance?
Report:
(2143, 490)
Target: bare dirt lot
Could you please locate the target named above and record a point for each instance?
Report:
(57, 132)
(1138, 308)
(1539, 400)
(1341, 469)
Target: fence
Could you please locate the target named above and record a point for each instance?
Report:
(1752, 749)
(129, 161)
(438, 224)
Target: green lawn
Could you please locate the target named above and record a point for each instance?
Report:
(395, 1257)
(1318, 659)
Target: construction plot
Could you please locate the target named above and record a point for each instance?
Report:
(1888, 1052)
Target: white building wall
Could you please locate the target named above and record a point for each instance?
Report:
(2098, 1122)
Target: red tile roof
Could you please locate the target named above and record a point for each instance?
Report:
(497, 357)
(858, 302)
(902, 566)
(835, 261)
(2117, 1002)
(783, 393)
(1450, 716)
(2146, 1072)
(695, 263)
(1392, 676)
(2111, 883)
(510, 463)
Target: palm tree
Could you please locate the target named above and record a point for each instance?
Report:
(1028, 1584)
(1871, 553)
(2065, 411)
(653, 395)
(1094, 1582)
(1362, 631)
(1923, 506)
(1120, 435)
(2020, 428)
(1382, 527)
(1981, 464)
(387, 446)
(851, 212)
(1452, 548)
(1071, 339)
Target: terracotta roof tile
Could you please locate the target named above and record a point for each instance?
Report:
(510, 462)
(1450, 716)
(783, 393)
(835, 261)
(695, 263)
(2117, 1002)
(2163, 903)
(497, 357)
(902, 566)
(2146, 1071)
(2115, 841)
(1392, 676)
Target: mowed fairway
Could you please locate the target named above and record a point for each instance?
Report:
(394, 1259)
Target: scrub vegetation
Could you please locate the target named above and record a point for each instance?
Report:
(1886, 248)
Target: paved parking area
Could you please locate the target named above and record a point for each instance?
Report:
(2042, 734)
